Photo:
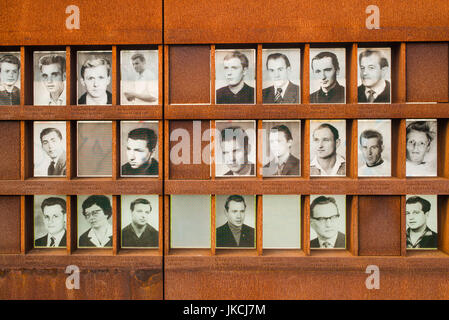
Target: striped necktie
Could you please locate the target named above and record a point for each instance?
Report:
(278, 96)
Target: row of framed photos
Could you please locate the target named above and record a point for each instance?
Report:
(234, 77)
(235, 148)
(190, 222)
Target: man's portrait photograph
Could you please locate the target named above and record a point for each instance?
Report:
(281, 221)
(374, 152)
(281, 76)
(139, 77)
(94, 78)
(235, 76)
(328, 75)
(94, 221)
(235, 220)
(235, 148)
(94, 157)
(139, 149)
(50, 221)
(281, 148)
(421, 216)
(9, 78)
(327, 148)
(49, 138)
(139, 221)
(190, 221)
(327, 221)
(49, 78)
(374, 80)
(421, 144)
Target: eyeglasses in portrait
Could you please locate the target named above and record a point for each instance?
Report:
(49, 156)
(421, 144)
(94, 149)
(327, 148)
(139, 77)
(328, 75)
(421, 215)
(50, 221)
(235, 76)
(235, 148)
(49, 78)
(9, 78)
(281, 76)
(235, 221)
(327, 221)
(94, 77)
(281, 148)
(140, 221)
(94, 221)
(139, 149)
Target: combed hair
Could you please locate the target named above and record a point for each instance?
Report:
(53, 201)
(10, 58)
(138, 56)
(144, 134)
(241, 56)
(383, 62)
(237, 134)
(425, 205)
(236, 198)
(51, 59)
(368, 134)
(284, 129)
(322, 200)
(95, 62)
(327, 54)
(140, 201)
(48, 130)
(102, 201)
(422, 126)
(274, 56)
(331, 128)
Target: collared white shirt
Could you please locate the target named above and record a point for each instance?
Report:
(100, 242)
(58, 238)
(338, 161)
(61, 101)
(142, 83)
(331, 241)
(378, 89)
(381, 170)
(284, 88)
(425, 169)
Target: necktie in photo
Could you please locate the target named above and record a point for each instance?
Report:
(51, 168)
(370, 96)
(52, 241)
(278, 96)
(326, 244)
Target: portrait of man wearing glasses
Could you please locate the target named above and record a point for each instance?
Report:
(325, 220)
(419, 140)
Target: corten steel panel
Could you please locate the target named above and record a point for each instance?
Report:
(379, 225)
(10, 226)
(38, 22)
(427, 72)
(194, 145)
(10, 151)
(189, 74)
(236, 21)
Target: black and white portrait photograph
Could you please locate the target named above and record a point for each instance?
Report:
(190, 221)
(94, 78)
(281, 221)
(374, 152)
(94, 221)
(235, 76)
(235, 220)
(281, 148)
(421, 144)
(94, 149)
(421, 215)
(374, 80)
(50, 221)
(139, 77)
(9, 78)
(139, 221)
(328, 75)
(281, 75)
(327, 148)
(49, 138)
(235, 148)
(49, 78)
(139, 149)
(327, 221)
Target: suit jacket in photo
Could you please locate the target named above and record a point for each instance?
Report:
(42, 242)
(226, 239)
(384, 97)
(340, 242)
(82, 99)
(291, 167)
(60, 166)
(335, 95)
(291, 94)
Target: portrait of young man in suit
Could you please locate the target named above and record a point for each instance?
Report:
(374, 73)
(282, 89)
(235, 233)
(54, 215)
(53, 146)
(324, 220)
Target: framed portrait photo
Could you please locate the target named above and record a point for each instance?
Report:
(50, 221)
(421, 215)
(10, 78)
